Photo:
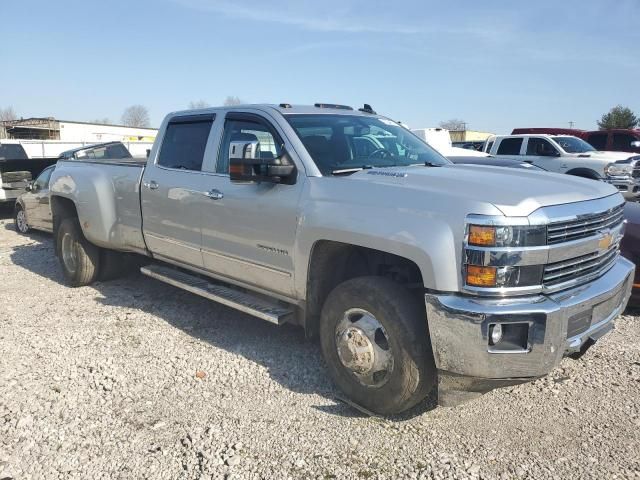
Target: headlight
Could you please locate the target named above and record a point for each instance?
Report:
(618, 169)
(506, 236)
(501, 256)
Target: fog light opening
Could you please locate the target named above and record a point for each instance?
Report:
(495, 333)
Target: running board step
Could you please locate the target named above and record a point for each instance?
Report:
(229, 296)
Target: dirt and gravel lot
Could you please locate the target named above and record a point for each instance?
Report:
(135, 379)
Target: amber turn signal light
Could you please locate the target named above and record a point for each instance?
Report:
(481, 276)
(482, 236)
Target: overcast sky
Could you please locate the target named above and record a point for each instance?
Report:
(497, 64)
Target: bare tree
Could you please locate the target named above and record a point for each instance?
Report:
(231, 100)
(454, 124)
(198, 104)
(102, 121)
(8, 113)
(135, 116)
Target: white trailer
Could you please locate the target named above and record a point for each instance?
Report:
(35, 149)
(440, 139)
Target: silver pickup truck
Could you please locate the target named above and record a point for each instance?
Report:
(413, 272)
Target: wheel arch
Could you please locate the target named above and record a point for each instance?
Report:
(584, 173)
(333, 262)
(61, 208)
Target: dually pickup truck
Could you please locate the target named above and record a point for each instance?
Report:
(413, 272)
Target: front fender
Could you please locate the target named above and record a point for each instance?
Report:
(585, 173)
(430, 243)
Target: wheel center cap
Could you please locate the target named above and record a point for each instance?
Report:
(355, 350)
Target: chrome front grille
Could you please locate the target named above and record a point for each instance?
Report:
(585, 226)
(578, 243)
(579, 269)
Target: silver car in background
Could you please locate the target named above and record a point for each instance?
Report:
(32, 210)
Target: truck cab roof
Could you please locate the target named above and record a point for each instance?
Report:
(289, 109)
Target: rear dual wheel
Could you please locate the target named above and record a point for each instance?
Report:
(82, 262)
(80, 259)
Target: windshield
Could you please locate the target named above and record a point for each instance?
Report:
(342, 143)
(573, 145)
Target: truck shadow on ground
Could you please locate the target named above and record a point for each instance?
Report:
(288, 356)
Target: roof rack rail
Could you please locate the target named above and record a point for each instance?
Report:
(367, 109)
(285, 105)
(332, 105)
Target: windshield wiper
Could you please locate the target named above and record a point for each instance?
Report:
(346, 171)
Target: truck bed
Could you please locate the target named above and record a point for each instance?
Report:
(127, 162)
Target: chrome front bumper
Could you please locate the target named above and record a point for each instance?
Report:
(558, 324)
(629, 187)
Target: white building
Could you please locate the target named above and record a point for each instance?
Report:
(70, 131)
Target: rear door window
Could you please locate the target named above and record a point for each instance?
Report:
(598, 140)
(621, 142)
(510, 146)
(185, 141)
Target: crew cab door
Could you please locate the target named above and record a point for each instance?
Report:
(543, 154)
(249, 229)
(173, 190)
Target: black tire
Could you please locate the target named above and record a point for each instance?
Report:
(585, 173)
(20, 223)
(80, 260)
(403, 318)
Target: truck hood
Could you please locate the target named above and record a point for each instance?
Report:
(515, 192)
(609, 156)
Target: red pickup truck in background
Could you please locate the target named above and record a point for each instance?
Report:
(614, 140)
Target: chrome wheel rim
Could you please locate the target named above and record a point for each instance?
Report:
(69, 256)
(21, 221)
(363, 347)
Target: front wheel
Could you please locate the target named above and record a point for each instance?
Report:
(79, 258)
(20, 219)
(376, 344)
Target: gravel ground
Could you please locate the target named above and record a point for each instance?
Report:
(136, 379)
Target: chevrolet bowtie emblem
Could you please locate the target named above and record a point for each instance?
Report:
(605, 242)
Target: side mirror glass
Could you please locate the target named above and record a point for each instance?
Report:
(246, 164)
(30, 187)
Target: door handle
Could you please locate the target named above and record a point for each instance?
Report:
(152, 185)
(215, 194)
